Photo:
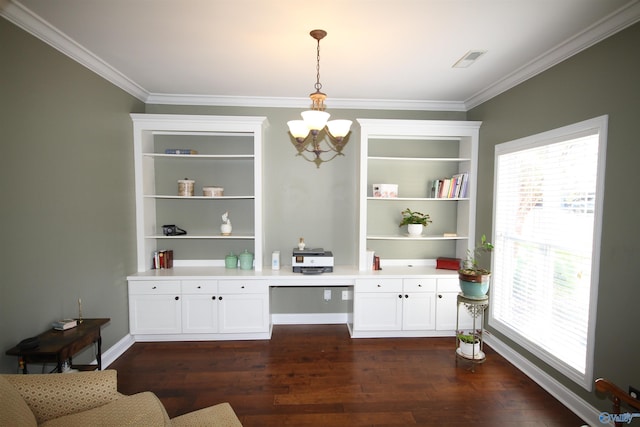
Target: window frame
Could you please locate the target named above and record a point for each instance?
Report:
(597, 125)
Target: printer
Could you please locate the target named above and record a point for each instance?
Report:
(312, 261)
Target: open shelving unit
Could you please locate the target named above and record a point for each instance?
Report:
(227, 153)
(412, 154)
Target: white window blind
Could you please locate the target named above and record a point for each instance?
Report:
(546, 236)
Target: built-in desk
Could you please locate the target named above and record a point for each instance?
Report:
(211, 303)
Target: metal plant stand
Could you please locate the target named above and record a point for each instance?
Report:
(476, 308)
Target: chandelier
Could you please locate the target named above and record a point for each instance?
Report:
(307, 132)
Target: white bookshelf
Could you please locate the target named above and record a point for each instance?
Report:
(229, 155)
(411, 154)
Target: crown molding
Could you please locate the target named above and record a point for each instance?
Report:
(33, 24)
(606, 27)
(38, 27)
(282, 102)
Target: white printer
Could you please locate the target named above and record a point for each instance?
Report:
(312, 261)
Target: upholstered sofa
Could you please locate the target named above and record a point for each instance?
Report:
(92, 399)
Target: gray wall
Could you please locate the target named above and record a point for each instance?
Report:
(67, 202)
(601, 80)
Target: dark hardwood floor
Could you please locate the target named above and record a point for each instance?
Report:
(316, 375)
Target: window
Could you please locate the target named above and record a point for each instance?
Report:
(547, 210)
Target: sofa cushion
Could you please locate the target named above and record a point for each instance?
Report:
(142, 409)
(220, 415)
(13, 409)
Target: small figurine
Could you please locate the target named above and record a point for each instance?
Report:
(225, 228)
(301, 244)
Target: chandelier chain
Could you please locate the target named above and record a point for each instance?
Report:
(318, 85)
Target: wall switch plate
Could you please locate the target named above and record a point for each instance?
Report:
(634, 392)
(327, 294)
(346, 295)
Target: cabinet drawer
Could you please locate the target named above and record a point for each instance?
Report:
(378, 285)
(199, 286)
(150, 287)
(242, 286)
(448, 285)
(419, 285)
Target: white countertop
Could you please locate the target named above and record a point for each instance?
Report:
(285, 274)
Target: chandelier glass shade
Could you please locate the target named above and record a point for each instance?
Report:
(308, 139)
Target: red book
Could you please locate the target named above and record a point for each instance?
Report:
(448, 263)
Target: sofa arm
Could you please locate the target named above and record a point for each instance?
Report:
(54, 395)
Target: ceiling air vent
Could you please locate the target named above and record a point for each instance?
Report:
(469, 58)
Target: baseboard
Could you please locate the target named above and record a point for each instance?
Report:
(565, 396)
(116, 350)
(309, 318)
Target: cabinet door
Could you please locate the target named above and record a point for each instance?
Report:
(446, 303)
(418, 311)
(241, 313)
(199, 313)
(378, 311)
(446, 311)
(154, 313)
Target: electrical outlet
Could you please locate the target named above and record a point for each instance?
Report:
(327, 294)
(346, 295)
(634, 392)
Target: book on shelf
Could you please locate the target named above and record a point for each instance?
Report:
(454, 187)
(162, 259)
(64, 324)
(180, 151)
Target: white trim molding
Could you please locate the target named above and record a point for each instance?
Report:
(43, 30)
(116, 350)
(309, 318)
(282, 102)
(624, 17)
(38, 27)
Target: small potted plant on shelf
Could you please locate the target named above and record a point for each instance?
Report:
(415, 221)
(474, 280)
(469, 344)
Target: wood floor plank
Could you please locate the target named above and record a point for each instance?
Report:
(316, 375)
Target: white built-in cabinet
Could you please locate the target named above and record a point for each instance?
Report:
(412, 154)
(155, 307)
(199, 309)
(394, 304)
(389, 307)
(200, 299)
(227, 153)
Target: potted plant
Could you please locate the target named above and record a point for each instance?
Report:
(415, 221)
(469, 344)
(474, 280)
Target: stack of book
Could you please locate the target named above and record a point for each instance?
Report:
(162, 259)
(64, 324)
(455, 187)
